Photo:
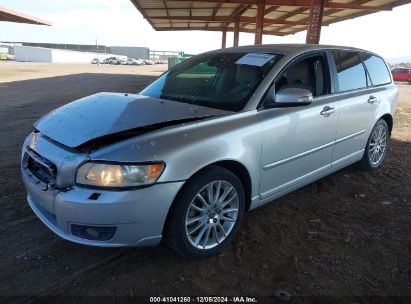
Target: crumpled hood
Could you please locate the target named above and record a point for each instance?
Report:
(104, 114)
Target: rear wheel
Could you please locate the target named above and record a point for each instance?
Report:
(376, 148)
(206, 213)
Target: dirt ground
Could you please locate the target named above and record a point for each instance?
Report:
(14, 71)
(345, 236)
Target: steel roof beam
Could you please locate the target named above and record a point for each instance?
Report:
(301, 3)
(215, 10)
(228, 19)
(218, 29)
(314, 21)
(9, 15)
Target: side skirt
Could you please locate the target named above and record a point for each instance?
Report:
(304, 180)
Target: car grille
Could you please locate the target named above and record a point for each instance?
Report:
(40, 167)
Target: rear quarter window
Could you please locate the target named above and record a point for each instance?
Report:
(350, 70)
(377, 69)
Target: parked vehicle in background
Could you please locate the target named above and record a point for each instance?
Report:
(148, 62)
(401, 74)
(112, 60)
(95, 61)
(115, 60)
(131, 61)
(7, 57)
(11, 57)
(218, 135)
(161, 62)
(105, 61)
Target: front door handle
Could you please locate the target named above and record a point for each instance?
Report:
(372, 99)
(327, 111)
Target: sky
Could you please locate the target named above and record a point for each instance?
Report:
(117, 22)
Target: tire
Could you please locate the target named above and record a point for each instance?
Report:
(376, 141)
(211, 228)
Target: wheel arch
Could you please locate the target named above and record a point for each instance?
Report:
(239, 170)
(243, 175)
(231, 165)
(389, 120)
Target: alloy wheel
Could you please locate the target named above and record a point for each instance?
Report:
(378, 144)
(212, 215)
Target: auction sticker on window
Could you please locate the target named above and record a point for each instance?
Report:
(255, 59)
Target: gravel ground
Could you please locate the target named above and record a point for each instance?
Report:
(347, 235)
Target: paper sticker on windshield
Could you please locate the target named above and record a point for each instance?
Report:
(255, 59)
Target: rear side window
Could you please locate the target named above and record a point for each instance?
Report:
(377, 69)
(350, 71)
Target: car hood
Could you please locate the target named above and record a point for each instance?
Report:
(105, 114)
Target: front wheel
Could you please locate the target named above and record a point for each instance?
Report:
(206, 213)
(376, 148)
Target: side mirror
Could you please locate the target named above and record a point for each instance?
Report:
(290, 97)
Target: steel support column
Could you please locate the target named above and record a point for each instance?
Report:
(236, 32)
(224, 39)
(259, 24)
(315, 20)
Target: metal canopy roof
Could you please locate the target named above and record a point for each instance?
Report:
(281, 17)
(13, 16)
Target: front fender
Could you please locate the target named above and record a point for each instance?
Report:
(186, 149)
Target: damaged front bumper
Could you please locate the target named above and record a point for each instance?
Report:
(93, 216)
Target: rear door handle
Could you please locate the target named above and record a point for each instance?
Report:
(372, 99)
(327, 111)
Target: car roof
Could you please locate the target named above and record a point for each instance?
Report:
(287, 49)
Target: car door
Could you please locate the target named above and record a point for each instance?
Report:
(358, 107)
(401, 75)
(297, 142)
(407, 73)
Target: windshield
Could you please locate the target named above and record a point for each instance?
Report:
(224, 81)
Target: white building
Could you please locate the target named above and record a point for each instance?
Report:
(38, 54)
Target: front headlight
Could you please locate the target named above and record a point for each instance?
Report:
(118, 175)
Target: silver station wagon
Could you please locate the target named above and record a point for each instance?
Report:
(220, 134)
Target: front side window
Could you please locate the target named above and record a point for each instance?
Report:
(311, 74)
(377, 69)
(350, 71)
(221, 81)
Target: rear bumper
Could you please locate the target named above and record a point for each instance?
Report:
(137, 215)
